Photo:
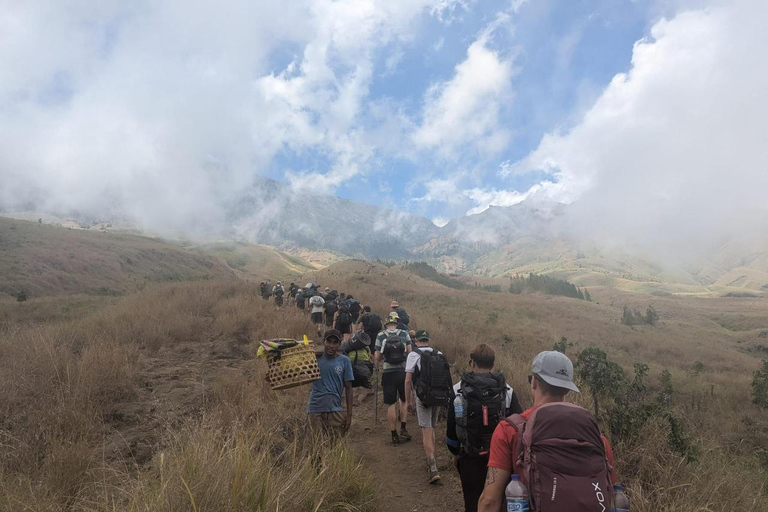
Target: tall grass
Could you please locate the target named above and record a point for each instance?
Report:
(60, 382)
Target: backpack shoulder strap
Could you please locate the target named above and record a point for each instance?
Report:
(517, 422)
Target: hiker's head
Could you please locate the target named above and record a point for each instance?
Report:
(367, 309)
(422, 337)
(551, 376)
(327, 289)
(391, 322)
(482, 357)
(350, 297)
(332, 342)
(394, 304)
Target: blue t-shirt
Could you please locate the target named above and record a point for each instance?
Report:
(326, 392)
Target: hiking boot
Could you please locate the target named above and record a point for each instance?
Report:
(434, 477)
(395, 439)
(404, 435)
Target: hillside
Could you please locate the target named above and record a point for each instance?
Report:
(43, 259)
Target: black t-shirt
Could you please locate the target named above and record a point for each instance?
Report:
(371, 324)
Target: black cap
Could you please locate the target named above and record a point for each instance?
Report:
(332, 333)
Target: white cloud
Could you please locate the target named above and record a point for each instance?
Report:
(463, 112)
(440, 221)
(675, 150)
(164, 112)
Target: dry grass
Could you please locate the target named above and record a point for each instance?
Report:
(61, 380)
(45, 260)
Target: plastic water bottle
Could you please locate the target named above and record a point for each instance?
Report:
(516, 495)
(458, 406)
(620, 500)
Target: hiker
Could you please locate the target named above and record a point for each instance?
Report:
(403, 319)
(300, 300)
(292, 289)
(393, 345)
(566, 439)
(266, 292)
(357, 348)
(278, 292)
(326, 293)
(330, 311)
(343, 319)
(370, 323)
(428, 387)
(354, 308)
(324, 408)
(316, 313)
(486, 399)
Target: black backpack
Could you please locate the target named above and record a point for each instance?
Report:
(371, 323)
(433, 382)
(344, 316)
(485, 397)
(279, 291)
(403, 315)
(330, 308)
(393, 349)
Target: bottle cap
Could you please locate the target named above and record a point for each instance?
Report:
(515, 477)
(618, 487)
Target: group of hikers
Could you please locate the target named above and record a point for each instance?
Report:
(554, 448)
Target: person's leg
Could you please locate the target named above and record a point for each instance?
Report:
(389, 388)
(404, 435)
(472, 472)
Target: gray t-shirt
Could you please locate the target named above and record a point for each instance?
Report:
(381, 338)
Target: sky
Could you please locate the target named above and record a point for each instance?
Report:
(648, 116)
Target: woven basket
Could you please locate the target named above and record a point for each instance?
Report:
(293, 367)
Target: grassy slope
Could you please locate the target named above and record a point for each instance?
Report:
(259, 261)
(46, 260)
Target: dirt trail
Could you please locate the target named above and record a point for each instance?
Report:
(400, 472)
(175, 382)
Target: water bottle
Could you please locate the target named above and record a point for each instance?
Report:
(458, 406)
(620, 500)
(516, 495)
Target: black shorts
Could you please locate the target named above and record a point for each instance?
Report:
(344, 328)
(393, 384)
(317, 318)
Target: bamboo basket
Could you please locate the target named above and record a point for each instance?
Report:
(293, 367)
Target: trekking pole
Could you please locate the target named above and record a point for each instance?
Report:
(376, 398)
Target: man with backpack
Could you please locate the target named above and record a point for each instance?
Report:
(278, 292)
(316, 313)
(370, 323)
(403, 319)
(428, 376)
(300, 300)
(354, 308)
(558, 442)
(330, 308)
(343, 320)
(393, 346)
(484, 400)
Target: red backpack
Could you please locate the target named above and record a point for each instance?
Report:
(562, 458)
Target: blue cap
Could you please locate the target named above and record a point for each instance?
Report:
(515, 477)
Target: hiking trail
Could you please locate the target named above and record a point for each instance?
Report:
(176, 379)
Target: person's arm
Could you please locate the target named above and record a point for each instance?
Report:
(409, 392)
(514, 405)
(500, 464)
(496, 481)
(451, 437)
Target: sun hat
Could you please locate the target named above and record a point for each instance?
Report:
(555, 369)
